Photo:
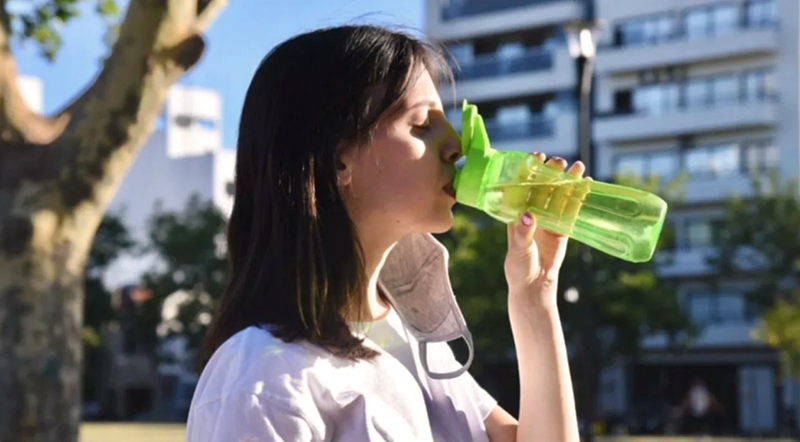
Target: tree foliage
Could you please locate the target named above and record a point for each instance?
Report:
(190, 247)
(759, 242)
(111, 240)
(41, 22)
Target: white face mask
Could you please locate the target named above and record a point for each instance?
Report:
(415, 278)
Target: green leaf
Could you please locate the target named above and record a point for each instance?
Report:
(107, 8)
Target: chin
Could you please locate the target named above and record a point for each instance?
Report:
(442, 224)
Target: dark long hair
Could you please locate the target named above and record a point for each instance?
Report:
(296, 263)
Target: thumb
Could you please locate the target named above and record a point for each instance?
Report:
(520, 233)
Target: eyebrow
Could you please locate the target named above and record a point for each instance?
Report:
(425, 103)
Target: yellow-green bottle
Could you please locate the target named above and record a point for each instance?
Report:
(622, 221)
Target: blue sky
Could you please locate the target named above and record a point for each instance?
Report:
(237, 41)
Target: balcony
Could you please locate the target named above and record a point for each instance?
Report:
(459, 19)
(492, 78)
(469, 8)
(490, 65)
(534, 128)
(721, 117)
(680, 50)
(552, 136)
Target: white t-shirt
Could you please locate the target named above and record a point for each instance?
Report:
(258, 388)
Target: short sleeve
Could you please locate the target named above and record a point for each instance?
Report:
(246, 417)
(468, 385)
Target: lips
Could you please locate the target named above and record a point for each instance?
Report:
(448, 189)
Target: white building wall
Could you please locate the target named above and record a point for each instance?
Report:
(183, 157)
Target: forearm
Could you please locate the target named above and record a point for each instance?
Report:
(547, 404)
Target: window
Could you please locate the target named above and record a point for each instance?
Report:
(731, 307)
(660, 164)
(701, 308)
(633, 33)
(666, 27)
(696, 23)
(724, 19)
(663, 164)
(623, 102)
(697, 93)
(710, 21)
(205, 123)
(671, 96)
(761, 155)
(725, 89)
(649, 30)
(727, 307)
(183, 120)
(632, 165)
(463, 53)
(717, 160)
(762, 13)
(769, 84)
(514, 114)
(656, 99)
(510, 51)
(659, 94)
(701, 232)
(753, 82)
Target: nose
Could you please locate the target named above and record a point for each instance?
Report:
(451, 144)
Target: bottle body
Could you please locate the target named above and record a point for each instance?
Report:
(618, 220)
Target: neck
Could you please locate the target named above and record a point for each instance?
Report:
(376, 248)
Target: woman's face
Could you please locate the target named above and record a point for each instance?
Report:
(402, 181)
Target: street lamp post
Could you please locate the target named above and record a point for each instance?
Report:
(583, 48)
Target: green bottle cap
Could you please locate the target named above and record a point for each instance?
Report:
(476, 148)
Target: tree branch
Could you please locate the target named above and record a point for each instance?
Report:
(18, 122)
(5, 20)
(207, 11)
(159, 41)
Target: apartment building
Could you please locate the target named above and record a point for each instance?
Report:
(705, 87)
(514, 64)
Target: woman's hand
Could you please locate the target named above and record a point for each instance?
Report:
(535, 255)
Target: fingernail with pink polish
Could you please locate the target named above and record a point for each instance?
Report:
(527, 219)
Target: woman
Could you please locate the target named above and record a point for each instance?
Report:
(344, 167)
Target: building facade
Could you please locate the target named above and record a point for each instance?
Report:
(708, 88)
(183, 157)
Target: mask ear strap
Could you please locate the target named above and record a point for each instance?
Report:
(423, 356)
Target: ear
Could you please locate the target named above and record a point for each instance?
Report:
(345, 162)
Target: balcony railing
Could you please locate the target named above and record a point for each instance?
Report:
(536, 127)
(490, 65)
(456, 9)
(633, 34)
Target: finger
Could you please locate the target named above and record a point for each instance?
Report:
(540, 157)
(520, 233)
(557, 162)
(567, 199)
(577, 168)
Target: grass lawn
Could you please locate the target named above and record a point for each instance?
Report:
(144, 432)
(132, 432)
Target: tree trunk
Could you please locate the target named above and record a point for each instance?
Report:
(57, 175)
(40, 340)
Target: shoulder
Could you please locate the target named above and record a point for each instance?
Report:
(253, 361)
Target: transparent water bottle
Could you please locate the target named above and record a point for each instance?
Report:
(622, 221)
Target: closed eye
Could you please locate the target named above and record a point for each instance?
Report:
(424, 127)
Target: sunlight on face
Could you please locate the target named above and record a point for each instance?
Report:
(401, 182)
